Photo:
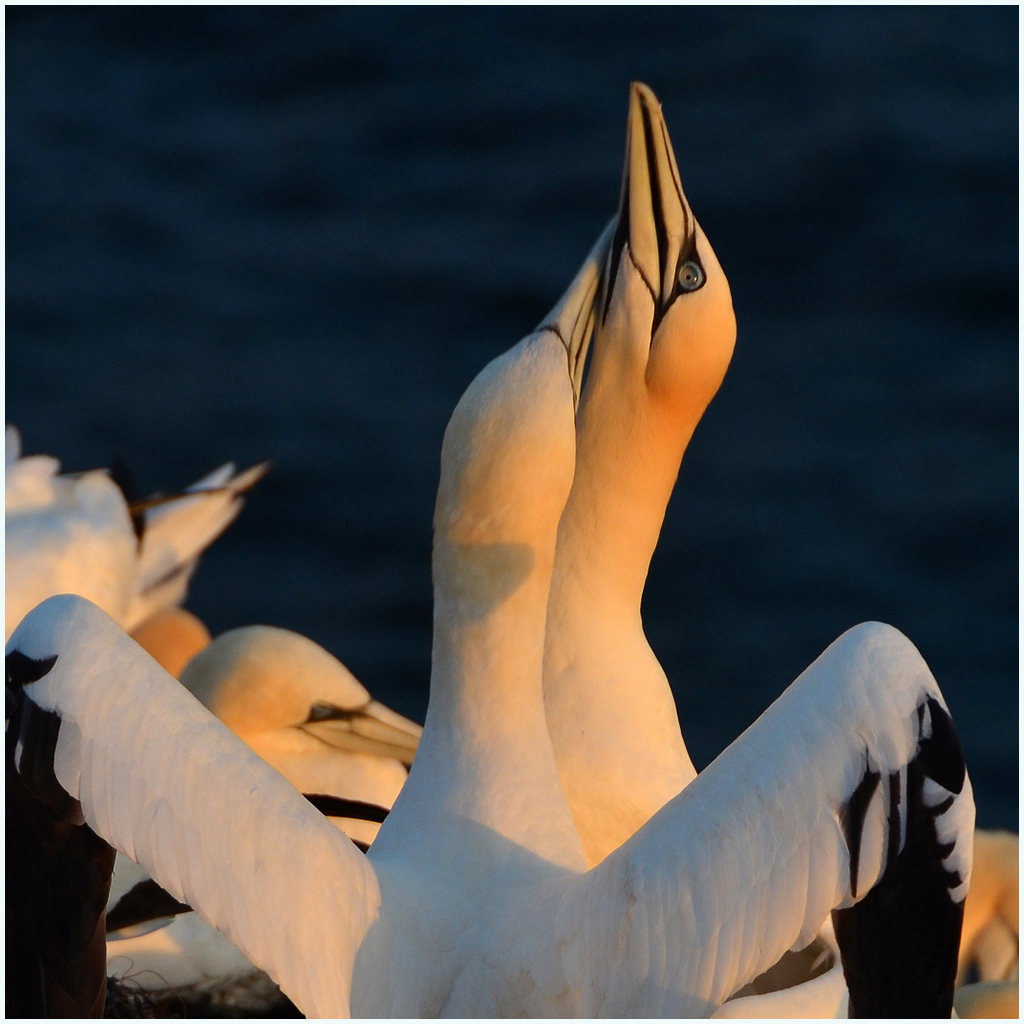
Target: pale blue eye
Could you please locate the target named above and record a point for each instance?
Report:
(691, 276)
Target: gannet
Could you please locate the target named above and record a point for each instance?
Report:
(848, 794)
(77, 533)
(172, 637)
(305, 714)
(663, 337)
(990, 942)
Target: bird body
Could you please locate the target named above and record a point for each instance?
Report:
(664, 335)
(64, 534)
(662, 342)
(991, 934)
(76, 533)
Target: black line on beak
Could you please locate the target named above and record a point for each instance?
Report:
(657, 209)
(688, 230)
(619, 240)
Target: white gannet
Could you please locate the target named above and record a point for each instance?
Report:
(306, 715)
(849, 793)
(990, 942)
(172, 637)
(663, 340)
(77, 533)
(663, 337)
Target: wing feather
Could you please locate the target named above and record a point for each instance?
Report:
(171, 787)
(758, 830)
(176, 533)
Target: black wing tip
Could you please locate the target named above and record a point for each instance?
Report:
(145, 901)
(852, 819)
(941, 754)
(31, 740)
(338, 807)
(58, 870)
(22, 670)
(900, 943)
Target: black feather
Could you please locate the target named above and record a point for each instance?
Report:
(900, 943)
(145, 901)
(852, 820)
(337, 807)
(58, 872)
(940, 755)
(21, 670)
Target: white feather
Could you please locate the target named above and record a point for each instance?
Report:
(201, 801)
(73, 534)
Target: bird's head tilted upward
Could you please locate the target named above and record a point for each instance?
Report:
(664, 297)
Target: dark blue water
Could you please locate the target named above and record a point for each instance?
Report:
(298, 233)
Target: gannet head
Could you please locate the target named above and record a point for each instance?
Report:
(509, 450)
(172, 637)
(665, 302)
(258, 679)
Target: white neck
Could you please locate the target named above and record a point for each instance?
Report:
(612, 720)
(485, 755)
(611, 712)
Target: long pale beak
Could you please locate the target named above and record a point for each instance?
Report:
(370, 728)
(654, 216)
(572, 319)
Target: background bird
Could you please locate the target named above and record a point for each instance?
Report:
(89, 534)
(306, 715)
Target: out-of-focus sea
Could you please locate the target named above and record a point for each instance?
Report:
(297, 234)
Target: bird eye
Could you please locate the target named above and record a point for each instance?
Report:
(691, 276)
(321, 711)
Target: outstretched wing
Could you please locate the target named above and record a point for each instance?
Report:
(177, 529)
(849, 792)
(164, 782)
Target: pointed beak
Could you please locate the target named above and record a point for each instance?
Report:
(371, 728)
(572, 319)
(654, 216)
